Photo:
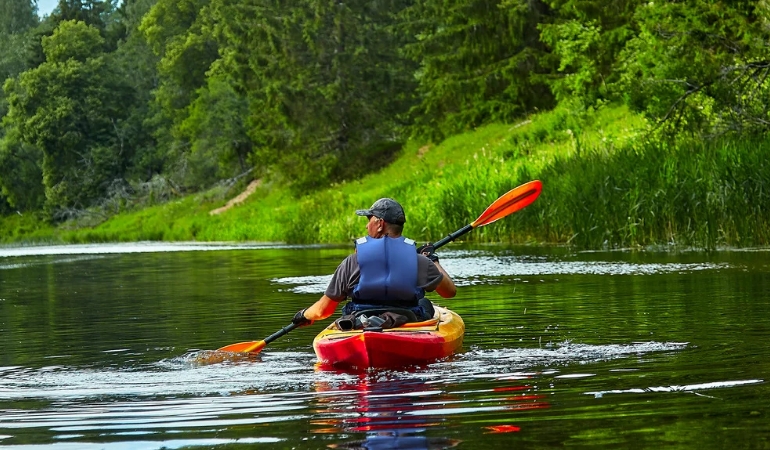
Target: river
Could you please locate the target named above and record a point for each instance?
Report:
(102, 349)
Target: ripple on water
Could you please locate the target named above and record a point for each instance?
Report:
(181, 397)
(467, 270)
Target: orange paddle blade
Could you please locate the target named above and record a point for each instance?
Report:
(244, 347)
(509, 203)
(257, 346)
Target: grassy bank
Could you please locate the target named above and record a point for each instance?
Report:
(605, 185)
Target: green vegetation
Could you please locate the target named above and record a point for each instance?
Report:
(645, 120)
(605, 186)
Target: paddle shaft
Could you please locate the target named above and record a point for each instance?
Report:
(464, 230)
(280, 332)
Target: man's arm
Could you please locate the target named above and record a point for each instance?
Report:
(446, 288)
(432, 277)
(321, 309)
(338, 290)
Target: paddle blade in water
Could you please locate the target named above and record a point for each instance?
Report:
(206, 357)
(244, 347)
(509, 203)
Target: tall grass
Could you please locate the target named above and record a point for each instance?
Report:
(703, 194)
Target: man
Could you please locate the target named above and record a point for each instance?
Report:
(385, 270)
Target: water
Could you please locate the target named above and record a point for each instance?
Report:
(101, 347)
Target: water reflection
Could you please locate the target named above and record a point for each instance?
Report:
(410, 413)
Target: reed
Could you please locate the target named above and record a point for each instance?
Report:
(702, 194)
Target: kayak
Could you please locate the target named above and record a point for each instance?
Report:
(414, 343)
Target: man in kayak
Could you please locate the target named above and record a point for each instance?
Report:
(386, 270)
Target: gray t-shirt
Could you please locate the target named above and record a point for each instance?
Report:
(346, 277)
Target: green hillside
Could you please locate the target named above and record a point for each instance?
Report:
(606, 184)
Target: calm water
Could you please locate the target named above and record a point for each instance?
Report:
(602, 350)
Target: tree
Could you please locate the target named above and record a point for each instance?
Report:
(68, 107)
(479, 61)
(324, 79)
(176, 32)
(136, 64)
(216, 127)
(17, 16)
(96, 13)
(586, 38)
(701, 65)
(21, 177)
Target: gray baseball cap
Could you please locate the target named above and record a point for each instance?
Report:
(387, 209)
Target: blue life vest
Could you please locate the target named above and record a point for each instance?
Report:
(388, 272)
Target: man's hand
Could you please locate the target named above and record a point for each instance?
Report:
(427, 248)
(300, 319)
(429, 251)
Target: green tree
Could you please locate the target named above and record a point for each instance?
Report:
(96, 13)
(700, 66)
(17, 16)
(19, 168)
(480, 61)
(585, 38)
(136, 64)
(68, 107)
(176, 32)
(220, 145)
(21, 175)
(324, 79)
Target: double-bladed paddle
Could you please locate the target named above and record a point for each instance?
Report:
(507, 204)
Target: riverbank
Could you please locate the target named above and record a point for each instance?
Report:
(606, 185)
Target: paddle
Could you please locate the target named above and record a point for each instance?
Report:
(507, 204)
(257, 346)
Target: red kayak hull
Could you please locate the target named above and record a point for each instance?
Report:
(414, 344)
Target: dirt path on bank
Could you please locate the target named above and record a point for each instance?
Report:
(239, 199)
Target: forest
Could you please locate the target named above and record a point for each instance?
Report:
(109, 107)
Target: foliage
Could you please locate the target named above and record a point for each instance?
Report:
(20, 180)
(700, 66)
(175, 30)
(95, 13)
(17, 17)
(21, 176)
(324, 80)
(617, 189)
(587, 37)
(479, 62)
(220, 146)
(67, 107)
(114, 106)
(136, 66)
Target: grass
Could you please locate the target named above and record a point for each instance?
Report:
(606, 185)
